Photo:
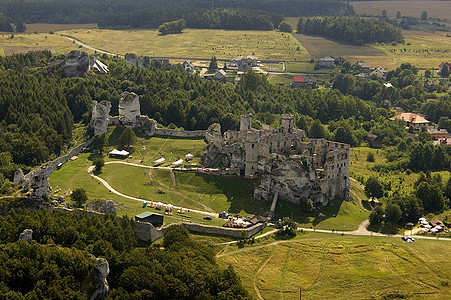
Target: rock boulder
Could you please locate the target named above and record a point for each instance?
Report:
(26, 235)
(129, 109)
(99, 118)
(105, 207)
(18, 177)
(76, 64)
(37, 181)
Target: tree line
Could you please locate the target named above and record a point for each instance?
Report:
(151, 14)
(351, 30)
(185, 269)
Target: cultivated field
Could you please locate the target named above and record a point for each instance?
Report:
(203, 43)
(435, 9)
(331, 266)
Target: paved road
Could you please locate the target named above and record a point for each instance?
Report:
(112, 190)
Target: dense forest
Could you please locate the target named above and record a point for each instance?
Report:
(151, 14)
(351, 29)
(56, 264)
(38, 107)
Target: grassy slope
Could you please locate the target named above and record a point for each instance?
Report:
(342, 267)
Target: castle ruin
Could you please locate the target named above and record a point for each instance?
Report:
(285, 161)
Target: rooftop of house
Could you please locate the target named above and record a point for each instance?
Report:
(437, 131)
(327, 58)
(410, 118)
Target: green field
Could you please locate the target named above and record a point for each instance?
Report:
(331, 266)
(203, 43)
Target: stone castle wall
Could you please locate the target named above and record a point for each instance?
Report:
(180, 133)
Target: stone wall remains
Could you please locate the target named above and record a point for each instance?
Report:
(180, 133)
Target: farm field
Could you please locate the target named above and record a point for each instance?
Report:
(331, 266)
(423, 49)
(435, 9)
(203, 43)
(24, 42)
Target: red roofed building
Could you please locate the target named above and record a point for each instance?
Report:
(303, 82)
(411, 118)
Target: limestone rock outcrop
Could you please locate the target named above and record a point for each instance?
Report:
(147, 125)
(140, 62)
(37, 181)
(100, 284)
(293, 178)
(18, 177)
(99, 118)
(129, 109)
(75, 64)
(26, 235)
(105, 207)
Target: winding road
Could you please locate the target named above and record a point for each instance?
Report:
(362, 231)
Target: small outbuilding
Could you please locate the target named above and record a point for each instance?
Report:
(375, 141)
(153, 218)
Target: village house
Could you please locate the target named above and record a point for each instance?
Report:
(246, 62)
(411, 119)
(375, 141)
(97, 66)
(189, 67)
(365, 66)
(379, 72)
(339, 60)
(438, 134)
(326, 62)
(303, 82)
(444, 63)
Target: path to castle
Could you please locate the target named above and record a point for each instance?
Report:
(360, 231)
(110, 188)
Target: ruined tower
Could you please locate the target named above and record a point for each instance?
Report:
(287, 123)
(245, 122)
(252, 152)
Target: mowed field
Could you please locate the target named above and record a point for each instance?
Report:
(435, 9)
(202, 43)
(331, 266)
(45, 28)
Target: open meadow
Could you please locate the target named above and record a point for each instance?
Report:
(202, 43)
(24, 42)
(331, 266)
(435, 9)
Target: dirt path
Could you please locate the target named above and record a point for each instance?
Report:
(112, 190)
(89, 47)
(258, 271)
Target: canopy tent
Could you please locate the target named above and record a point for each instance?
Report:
(169, 207)
(189, 156)
(118, 153)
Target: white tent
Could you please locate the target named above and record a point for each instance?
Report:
(169, 207)
(425, 229)
(116, 152)
(189, 156)
(159, 205)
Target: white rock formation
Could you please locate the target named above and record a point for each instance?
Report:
(129, 109)
(18, 177)
(37, 181)
(100, 283)
(99, 118)
(76, 64)
(26, 235)
(101, 206)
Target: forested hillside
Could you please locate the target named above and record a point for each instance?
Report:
(351, 30)
(185, 269)
(151, 14)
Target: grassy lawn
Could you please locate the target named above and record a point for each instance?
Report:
(203, 43)
(45, 28)
(327, 266)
